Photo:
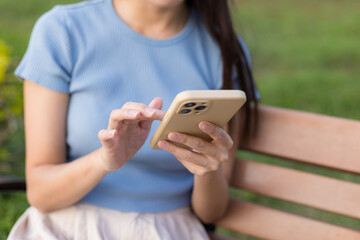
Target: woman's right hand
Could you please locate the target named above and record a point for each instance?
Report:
(127, 131)
(47, 171)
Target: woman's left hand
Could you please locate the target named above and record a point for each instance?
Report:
(205, 156)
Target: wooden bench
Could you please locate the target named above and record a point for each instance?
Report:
(304, 137)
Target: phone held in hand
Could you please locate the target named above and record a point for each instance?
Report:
(189, 108)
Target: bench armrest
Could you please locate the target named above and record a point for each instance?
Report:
(10, 183)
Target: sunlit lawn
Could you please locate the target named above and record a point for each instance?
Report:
(306, 56)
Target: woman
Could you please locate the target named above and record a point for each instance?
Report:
(84, 62)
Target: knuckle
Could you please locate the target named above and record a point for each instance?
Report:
(134, 104)
(101, 134)
(187, 156)
(231, 143)
(127, 104)
(200, 172)
(173, 150)
(142, 105)
(221, 138)
(192, 170)
(200, 146)
(213, 130)
(214, 166)
(181, 138)
(224, 157)
(114, 113)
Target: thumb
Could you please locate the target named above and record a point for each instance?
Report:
(106, 136)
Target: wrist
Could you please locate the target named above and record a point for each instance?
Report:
(97, 160)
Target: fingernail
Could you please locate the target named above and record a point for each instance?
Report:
(111, 133)
(149, 111)
(204, 126)
(162, 144)
(133, 112)
(173, 136)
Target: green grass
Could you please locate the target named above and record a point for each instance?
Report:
(17, 18)
(306, 53)
(306, 56)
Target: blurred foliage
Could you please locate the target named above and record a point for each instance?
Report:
(4, 59)
(10, 114)
(11, 139)
(17, 18)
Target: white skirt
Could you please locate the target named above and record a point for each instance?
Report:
(87, 222)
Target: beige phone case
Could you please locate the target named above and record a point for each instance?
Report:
(189, 108)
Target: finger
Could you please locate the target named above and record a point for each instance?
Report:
(184, 154)
(152, 111)
(134, 105)
(106, 137)
(198, 166)
(156, 103)
(118, 117)
(218, 134)
(154, 114)
(143, 108)
(198, 145)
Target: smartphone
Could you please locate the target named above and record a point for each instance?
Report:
(189, 108)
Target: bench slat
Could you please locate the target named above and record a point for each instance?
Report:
(10, 183)
(215, 236)
(313, 138)
(299, 187)
(269, 223)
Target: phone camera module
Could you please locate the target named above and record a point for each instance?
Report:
(185, 111)
(200, 108)
(188, 105)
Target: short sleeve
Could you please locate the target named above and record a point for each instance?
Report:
(47, 60)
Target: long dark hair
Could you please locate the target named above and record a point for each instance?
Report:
(215, 15)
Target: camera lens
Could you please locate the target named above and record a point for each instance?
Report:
(190, 104)
(199, 108)
(185, 111)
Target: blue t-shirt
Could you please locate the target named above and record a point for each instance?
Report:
(87, 51)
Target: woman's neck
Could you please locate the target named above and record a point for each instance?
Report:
(152, 21)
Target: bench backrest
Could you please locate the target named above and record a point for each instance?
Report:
(311, 138)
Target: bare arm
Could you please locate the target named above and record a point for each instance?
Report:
(47, 173)
(211, 192)
(210, 196)
(52, 183)
(211, 166)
